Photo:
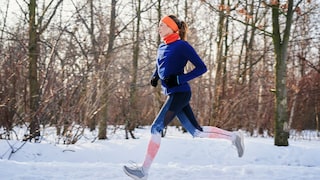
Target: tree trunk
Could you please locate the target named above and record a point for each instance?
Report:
(133, 120)
(35, 30)
(281, 130)
(91, 122)
(317, 112)
(33, 74)
(104, 112)
(157, 91)
(220, 59)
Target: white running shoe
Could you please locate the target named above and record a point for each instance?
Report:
(238, 142)
(135, 172)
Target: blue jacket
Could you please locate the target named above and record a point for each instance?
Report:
(172, 59)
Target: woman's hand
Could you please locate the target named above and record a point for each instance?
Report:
(171, 81)
(154, 81)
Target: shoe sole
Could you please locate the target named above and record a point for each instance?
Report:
(130, 175)
(241, 145)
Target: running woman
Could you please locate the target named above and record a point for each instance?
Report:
(173, 55)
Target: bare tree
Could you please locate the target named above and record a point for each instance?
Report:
(36, 28)
(219, 84)
(280, 47)
(133, 118)
(107, 58)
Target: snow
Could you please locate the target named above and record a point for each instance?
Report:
(180, 157)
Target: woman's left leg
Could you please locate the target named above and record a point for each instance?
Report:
(188, 120)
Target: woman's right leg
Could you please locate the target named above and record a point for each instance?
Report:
(154, 142)
(173, 105)
(163, 117)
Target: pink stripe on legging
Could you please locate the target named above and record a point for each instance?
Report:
(152, 151)
(214, 132)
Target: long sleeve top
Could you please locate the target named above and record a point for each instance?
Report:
(172, 59)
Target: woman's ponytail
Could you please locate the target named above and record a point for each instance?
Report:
(183, 28)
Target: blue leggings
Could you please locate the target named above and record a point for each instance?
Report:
(177, 104)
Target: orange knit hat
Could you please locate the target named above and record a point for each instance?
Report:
(170, 22)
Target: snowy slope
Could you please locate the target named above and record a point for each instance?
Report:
(180, 157)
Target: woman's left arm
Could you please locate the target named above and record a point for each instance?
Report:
(199, 66)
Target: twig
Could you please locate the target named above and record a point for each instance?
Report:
(13, 149)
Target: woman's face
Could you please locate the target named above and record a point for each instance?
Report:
(164, 30)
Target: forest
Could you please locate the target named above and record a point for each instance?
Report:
(77, 64)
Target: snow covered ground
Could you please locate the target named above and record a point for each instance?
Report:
(180, 157)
